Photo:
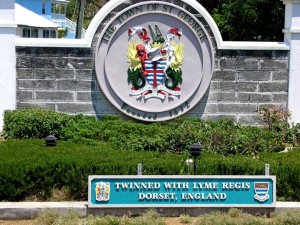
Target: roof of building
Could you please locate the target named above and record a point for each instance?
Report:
(25, 17)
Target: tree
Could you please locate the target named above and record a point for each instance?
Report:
(238, 20)
(80, 18)
(91, 7)
(248, 20)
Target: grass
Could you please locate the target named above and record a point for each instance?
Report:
(233, 217)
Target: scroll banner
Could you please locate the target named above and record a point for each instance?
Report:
(181, 191)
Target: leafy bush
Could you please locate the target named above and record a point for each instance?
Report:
(222, 137)
(34, 123)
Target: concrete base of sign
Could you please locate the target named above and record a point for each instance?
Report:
(29, 210)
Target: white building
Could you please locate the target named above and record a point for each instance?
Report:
(31, 25)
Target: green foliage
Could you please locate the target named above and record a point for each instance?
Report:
(224, 136)
(218, 137)
(286, 168)
(62, 33)
(249, 20)
(277, 120)
(33, 123)
(28, 168)
(114, 146)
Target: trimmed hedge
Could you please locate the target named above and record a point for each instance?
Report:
(28, 168)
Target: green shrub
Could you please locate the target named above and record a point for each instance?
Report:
(221, 137)
(218, 137)
(286, 168)
(28, 168)
(34, 123)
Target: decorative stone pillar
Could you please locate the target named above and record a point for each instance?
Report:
(7, 57)
(292, 36)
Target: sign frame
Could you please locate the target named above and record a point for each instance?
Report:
(182, 177)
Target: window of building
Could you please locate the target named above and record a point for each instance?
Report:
(26, 33)
(30, 33)
(49, 34)
(34, 33)
(46, 34)
(53, 34)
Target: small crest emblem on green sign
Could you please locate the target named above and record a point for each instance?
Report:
(102, 191)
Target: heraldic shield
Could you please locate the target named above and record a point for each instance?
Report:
(102, 190)
(261, 191)
(155, 72)
(155, 68)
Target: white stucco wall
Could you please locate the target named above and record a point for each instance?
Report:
(7, 57)
(292, 36)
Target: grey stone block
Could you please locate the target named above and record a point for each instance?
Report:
(36, 84)
(280, 75)
(271, 64)
(239, 63)
(24, 73)
(238, 86)
(228, 75)
(214, 85)
(273, 86)
(54, 74)
(105, 108)
(220, 97)
(24, 62)
(67, 85)
(253, 97)
(252, 119)
(35, 105)
(202, 108)
(84, 96)
(271, 105)
(75, 108)
(43, 62)
(216, 117)
(54, 96)
(75, 63)
(95, 96)
(87, 74)
(75, 85)
(280, 98)
(24, 95)
(254, 75)
(237, 107)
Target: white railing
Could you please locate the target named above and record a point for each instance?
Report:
(72, 27)
(56, 17)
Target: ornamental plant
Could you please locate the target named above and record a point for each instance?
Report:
(276, 117)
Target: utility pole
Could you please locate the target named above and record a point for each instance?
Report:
(80, 19)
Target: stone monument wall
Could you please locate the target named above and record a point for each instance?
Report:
(64, 79)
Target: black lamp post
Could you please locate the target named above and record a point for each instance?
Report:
(50, 141)
(195, 151)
